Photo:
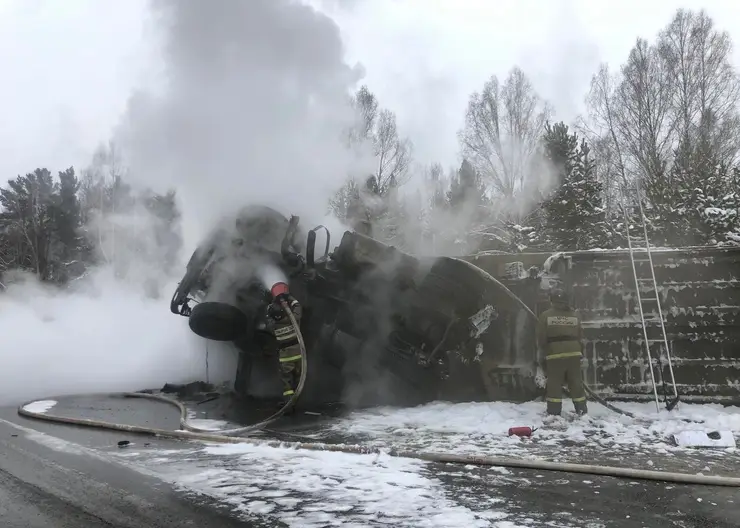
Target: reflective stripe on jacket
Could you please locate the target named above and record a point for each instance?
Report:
(559, 333)
(284, 332)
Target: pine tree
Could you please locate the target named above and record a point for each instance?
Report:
(67, 216)
(466, 201)
(466, 189)
(574, 215)
(28, 220)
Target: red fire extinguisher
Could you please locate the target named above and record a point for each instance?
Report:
(522, 431)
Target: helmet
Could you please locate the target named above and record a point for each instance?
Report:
(557, 294)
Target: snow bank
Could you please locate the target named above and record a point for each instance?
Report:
(41, 406)
(482, 428)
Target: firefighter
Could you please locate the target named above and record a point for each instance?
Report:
(559, 335)
(289, 350)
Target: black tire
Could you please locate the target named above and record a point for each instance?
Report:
(218, 321)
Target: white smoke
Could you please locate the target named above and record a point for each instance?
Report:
(252, 108)
(103, 336)
(271, 275)
(254, 111)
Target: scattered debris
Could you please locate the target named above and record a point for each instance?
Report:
(722, 439)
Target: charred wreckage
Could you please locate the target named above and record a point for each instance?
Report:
(380, 326)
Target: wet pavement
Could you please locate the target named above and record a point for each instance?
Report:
(49, 480)
(64, 476)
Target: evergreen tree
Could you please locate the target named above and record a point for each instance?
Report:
(28, 221)
(67, 226)
(48, 228)
(574, 215)
(466, 190)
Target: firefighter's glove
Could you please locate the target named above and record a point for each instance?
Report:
(540, 378)
(275, 310)
(284, 297)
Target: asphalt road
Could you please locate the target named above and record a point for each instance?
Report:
(46, 482)
(51, 476)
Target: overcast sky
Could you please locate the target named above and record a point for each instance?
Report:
(68, 67)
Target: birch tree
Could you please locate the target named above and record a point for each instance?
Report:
(502, 131)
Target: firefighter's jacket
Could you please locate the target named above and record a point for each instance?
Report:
(559, 332)
(283, 329)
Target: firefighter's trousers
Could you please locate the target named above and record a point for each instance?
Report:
(290, 369)
(562, 369)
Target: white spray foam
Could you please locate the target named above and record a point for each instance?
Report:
(223, 136)
(107, 338)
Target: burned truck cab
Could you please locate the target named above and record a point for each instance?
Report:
(380, 326)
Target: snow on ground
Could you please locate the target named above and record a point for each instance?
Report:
(319, 489)
(481, 428)
(40, 406)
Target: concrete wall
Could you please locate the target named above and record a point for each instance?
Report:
(699, 290)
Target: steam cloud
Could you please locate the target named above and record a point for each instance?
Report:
(252, 111)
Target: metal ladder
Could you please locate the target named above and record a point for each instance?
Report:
(654, 299)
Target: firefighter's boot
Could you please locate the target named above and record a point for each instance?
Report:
(580, 406)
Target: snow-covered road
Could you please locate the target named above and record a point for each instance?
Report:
(319, 489)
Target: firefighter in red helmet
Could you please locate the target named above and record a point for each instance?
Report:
(289, 350)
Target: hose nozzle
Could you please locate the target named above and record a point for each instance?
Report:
(279, 288)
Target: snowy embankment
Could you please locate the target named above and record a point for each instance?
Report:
(310, 488)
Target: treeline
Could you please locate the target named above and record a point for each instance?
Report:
(57, 228)
(666, 122)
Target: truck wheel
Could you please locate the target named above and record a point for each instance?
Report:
(218, 321)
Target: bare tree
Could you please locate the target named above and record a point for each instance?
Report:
(643, 115)
(602, 128)
(436, 183)
(502, 131)
(378, 128)
(101, 194)
(367, 104)
(364, 203)
(630, 125)
(705, 87)
(393, 153)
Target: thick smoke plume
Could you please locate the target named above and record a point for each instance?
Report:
(253, 109)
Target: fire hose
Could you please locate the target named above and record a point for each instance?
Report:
(230, 436)
(259, 425)
(529, 312)
(445, 458)
(185, 426)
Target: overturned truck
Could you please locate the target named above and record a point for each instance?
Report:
(380, 326)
